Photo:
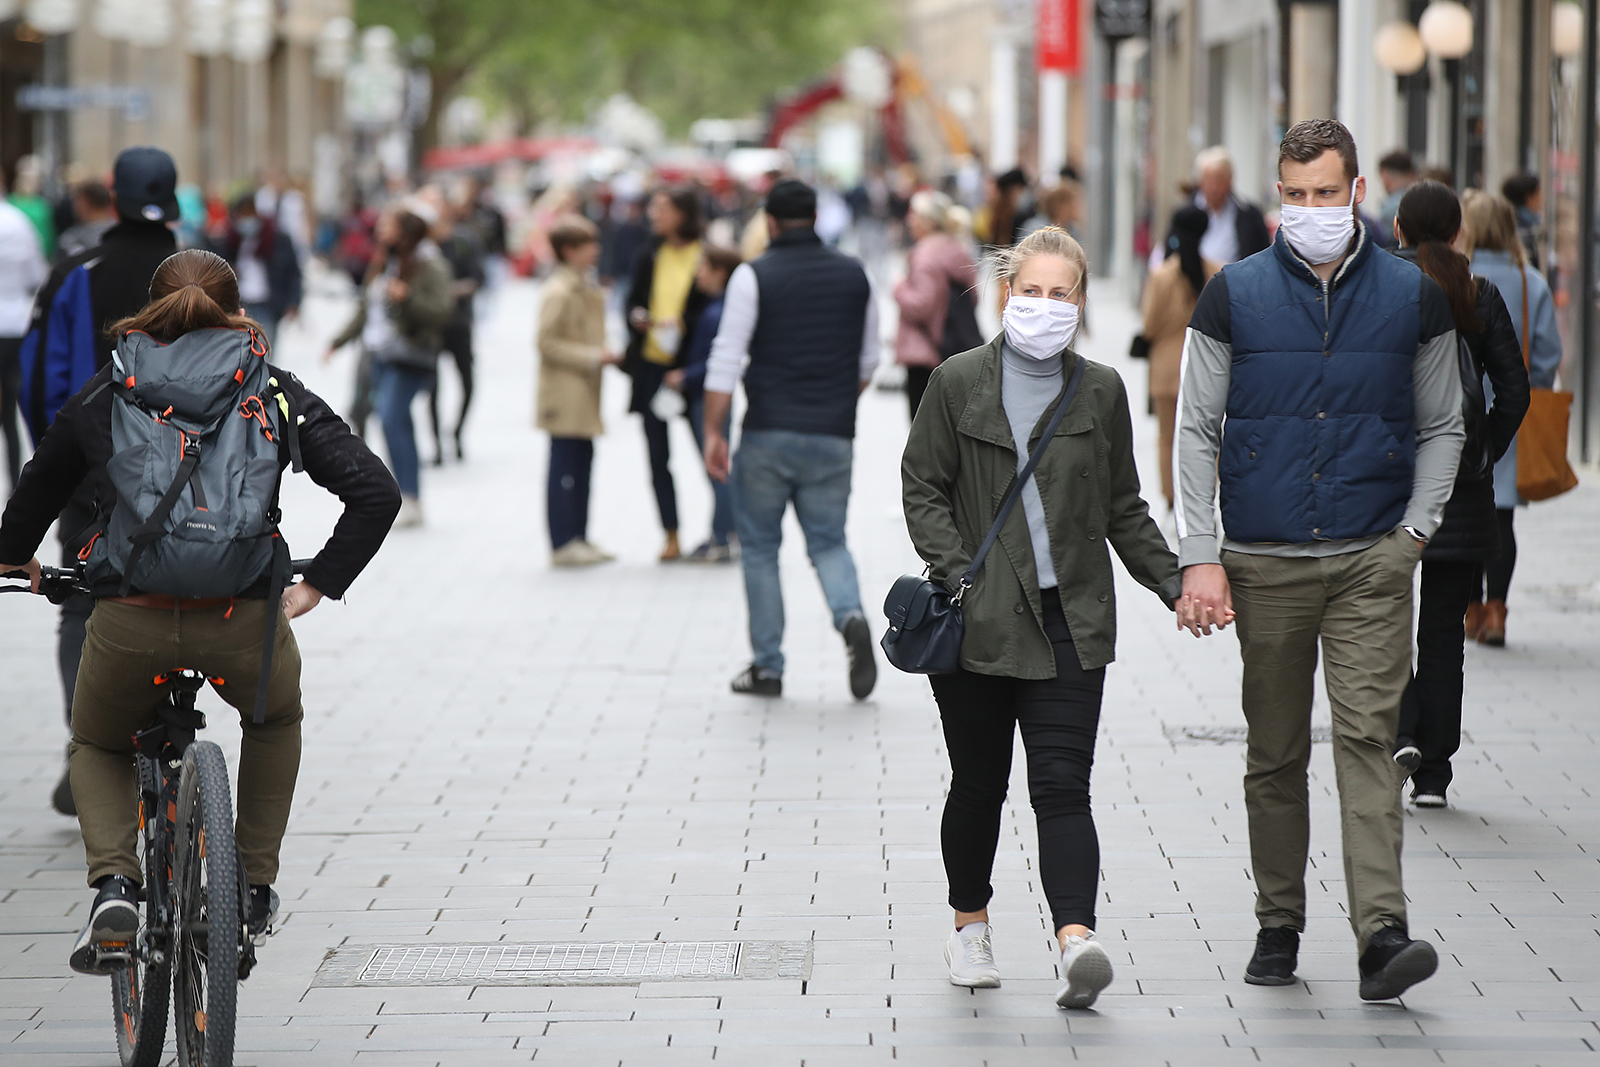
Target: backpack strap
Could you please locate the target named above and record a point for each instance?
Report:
(153, 528)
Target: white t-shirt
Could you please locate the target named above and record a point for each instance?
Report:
(22, 269)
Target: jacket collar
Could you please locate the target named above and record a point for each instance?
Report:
(800, 236)
(984, 416)
(1361, 247)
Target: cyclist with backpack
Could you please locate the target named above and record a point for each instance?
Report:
(182, 441)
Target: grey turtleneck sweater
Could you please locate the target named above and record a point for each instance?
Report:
(1027, 387)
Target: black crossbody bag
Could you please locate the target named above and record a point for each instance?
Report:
(925, 622)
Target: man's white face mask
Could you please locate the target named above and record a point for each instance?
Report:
(1319, 234)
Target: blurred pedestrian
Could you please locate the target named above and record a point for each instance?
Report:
(1022, 665)
(800, 327)
(1427, 224)
(27, 184)
(93, 214)
(999, 223)
(623, 242)
(1170, 294)
(1236, 228)
(1061, 206)
(717, 265)
(1490, 239)
(264, 259)
(459, 241)
(1328, 494)
(663, 308)
(71, 339)
(1522, 190)
(572, 357)
(23, 270)
(940, 280)
(1398, 172)
(400, 322)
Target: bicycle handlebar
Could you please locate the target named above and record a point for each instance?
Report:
(60, 584)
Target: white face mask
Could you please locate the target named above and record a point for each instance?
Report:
(1038, 327)
(1319, 234)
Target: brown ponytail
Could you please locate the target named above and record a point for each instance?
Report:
(191, 290)
(1429, 217)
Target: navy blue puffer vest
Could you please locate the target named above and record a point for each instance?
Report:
(1320, 440)
(805, 354)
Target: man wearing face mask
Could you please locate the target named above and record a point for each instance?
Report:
(266, 263)
(800, 328)
(1320, 388)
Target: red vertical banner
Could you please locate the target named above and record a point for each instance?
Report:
(1060, 34)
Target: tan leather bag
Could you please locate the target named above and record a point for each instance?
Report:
(1542, 467)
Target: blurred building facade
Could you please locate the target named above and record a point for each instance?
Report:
(234, 89)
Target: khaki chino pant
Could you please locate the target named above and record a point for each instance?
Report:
(116, 697)
(1359, 605)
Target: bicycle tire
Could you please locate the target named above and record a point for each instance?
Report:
(140, 993)
(205, 879)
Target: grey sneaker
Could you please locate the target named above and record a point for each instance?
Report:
(1086, 969)
(970, 958)
(106, 941)
(1393, 963)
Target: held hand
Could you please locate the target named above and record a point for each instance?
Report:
(673, 380)
(30, 568)
(300, 598)
(716, 456)
(1207, 599)
(639, 319)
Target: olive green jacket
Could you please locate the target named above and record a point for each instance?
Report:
(958, 466)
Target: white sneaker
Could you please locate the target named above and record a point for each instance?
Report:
(1429, 800)
(1087, 970)
(599, 554)
(573, 554)
(971, 958)
(410, 513)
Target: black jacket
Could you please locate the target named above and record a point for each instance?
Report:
(1469, 530)
(1249, 229)
(276, 252)
(647, 375)
(78, 445)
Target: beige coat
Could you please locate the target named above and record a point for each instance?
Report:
(572, 332)
(1169, 300)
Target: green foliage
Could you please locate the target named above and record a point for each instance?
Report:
(683, 58)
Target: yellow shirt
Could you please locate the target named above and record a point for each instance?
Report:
(669, 291)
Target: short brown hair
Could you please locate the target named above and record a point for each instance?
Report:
(721, 258)
(569, 232)
(1307, 140)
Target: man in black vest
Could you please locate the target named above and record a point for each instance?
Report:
(800, 326)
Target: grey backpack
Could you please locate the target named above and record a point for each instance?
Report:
(195, 427)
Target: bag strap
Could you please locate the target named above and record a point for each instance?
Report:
(1525, 338)
(1022, 479)
(153, 528)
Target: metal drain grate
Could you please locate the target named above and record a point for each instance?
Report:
(562, 963)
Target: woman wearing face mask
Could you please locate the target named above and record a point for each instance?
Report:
(1041, 615)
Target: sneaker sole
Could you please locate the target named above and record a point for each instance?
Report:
(1423, 802)
(1269, 979)
(1408, 763)
(985, 982)
(1416, 962)
(1088, 975)
(116, 924)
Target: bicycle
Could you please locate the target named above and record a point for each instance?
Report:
(194, 885)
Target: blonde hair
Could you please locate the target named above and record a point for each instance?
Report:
(933, 207)
(1489, 222)
(1046, 241)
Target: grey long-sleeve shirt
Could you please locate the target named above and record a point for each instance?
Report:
(1202, 408)
(1027, 386)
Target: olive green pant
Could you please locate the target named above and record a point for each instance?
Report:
(1359, 605)
(125, 650)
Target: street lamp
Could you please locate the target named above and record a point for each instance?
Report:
(53, 16)
(1566, 29)
(1446, 28)
(208, 27)
(333, 47)
(1399, 48)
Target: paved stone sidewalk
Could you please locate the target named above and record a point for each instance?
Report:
(499, 753)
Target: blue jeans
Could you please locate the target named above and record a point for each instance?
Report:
(396, 387)
(721, 492)
(772, 469)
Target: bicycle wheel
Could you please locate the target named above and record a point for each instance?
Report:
(139, 994)
(205, 879)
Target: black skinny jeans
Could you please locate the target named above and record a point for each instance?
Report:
(1430, 709)
(1496, 574)
(1058, 718)
(567, 492)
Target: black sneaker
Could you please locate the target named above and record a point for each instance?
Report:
(1407, 756)
(1277, 952)
(758, 681)
(863, 666)
(263, 910)
(106, 942)
(1393, 963)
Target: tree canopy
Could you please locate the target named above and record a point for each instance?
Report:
(682, 58)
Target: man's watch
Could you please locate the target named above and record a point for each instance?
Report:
(1416, 534)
